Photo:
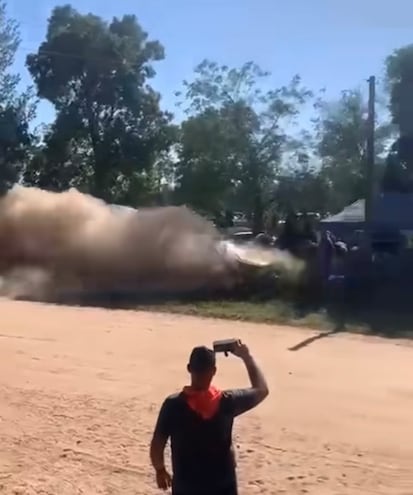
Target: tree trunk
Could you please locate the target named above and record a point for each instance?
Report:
(258, 213)
(99, 172)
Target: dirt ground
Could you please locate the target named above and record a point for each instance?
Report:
(80, 389)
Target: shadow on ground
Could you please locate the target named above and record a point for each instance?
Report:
(385, 311)
(310, 340)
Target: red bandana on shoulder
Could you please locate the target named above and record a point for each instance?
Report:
(203, 402)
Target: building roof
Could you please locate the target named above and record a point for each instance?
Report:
(393, 210)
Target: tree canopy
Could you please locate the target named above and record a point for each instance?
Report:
(15, 108)
(399, 168)
(242, 146)
(233, 141)
(95, 74)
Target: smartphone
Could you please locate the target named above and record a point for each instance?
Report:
(224, 346)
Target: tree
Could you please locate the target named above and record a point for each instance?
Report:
(301, 188)
(233, 141)
(96, 75)
(399, 78)
(59, 162)
(341, 132)
(206, 169)
(15, 109)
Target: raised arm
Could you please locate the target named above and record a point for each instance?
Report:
(257, 379)
(248, 398)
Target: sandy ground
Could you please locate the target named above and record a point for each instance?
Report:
(80, 389)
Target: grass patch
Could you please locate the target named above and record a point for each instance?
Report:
(275, 311)
(372, 321)
(387, 313)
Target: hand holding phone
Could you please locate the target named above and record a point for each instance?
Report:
(225, 346)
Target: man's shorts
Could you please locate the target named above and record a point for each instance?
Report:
(227, 491)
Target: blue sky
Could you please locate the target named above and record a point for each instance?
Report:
(333, 44)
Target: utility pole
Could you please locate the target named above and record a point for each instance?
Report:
(370, 155)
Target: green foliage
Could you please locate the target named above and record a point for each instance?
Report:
(237, 150)
(16, 109)
(205, 168)
(399, 76)
(302, 188)
(341, 134)
(233, 141)
(109, 127)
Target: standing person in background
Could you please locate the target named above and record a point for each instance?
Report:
(308, 228)
(326, 255)
(289, 236)
(199, 421)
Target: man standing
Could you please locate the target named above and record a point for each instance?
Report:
(199, 421)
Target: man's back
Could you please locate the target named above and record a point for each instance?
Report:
(202, 454)
(198, 422)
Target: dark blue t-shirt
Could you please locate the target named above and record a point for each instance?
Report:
(201, 449)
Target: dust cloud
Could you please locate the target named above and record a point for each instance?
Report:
(69, 241)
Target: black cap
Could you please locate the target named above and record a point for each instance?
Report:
(201, 359)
